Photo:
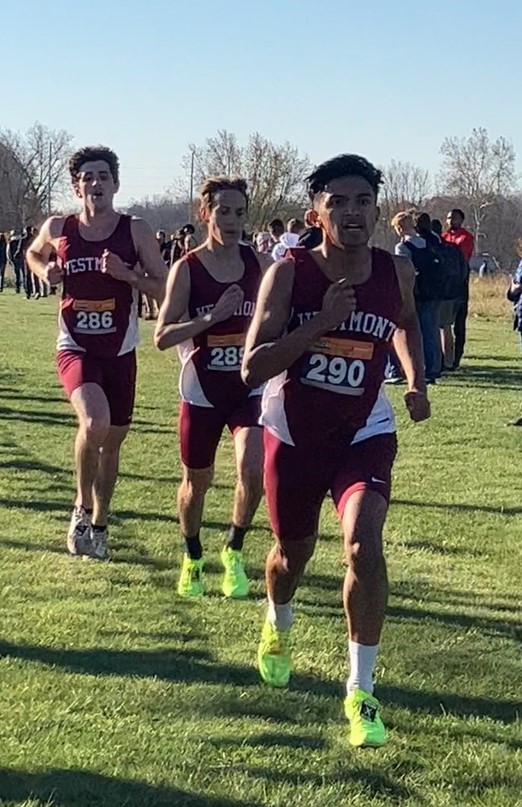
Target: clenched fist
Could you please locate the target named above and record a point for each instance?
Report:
(114, 266)
(53, 274)
(229, 301)
(418, 405)
(339, 302)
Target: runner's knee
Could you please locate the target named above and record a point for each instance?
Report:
(95, 429)
(296, 554)
(196, 481)
(365, 556)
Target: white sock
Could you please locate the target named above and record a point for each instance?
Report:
(362, 664)
(280, 616)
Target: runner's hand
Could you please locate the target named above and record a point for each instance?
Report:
(113, 265)
(338, 303)
(229, 301)
(418, 405)
(53, 273)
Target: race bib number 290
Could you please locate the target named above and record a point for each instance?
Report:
(94, 317)
(225, 353)
(337, 365)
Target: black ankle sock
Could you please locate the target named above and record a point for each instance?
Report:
(99, 527)
(193, 546)
(236, 537)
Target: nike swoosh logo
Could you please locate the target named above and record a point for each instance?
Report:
(379, 481)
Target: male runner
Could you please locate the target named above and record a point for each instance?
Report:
(103, 260)
(321, 332)
(208, 306)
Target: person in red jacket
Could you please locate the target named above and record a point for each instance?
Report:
(457, 235)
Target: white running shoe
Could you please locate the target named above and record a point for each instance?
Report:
(79, 535)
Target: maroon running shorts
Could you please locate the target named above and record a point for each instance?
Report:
(116, 376)
(201, 427)
(298, 478)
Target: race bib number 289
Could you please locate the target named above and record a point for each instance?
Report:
(337, 365)
(225, 353)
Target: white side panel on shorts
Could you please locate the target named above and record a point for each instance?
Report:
(381, 419)
(132, 337)
(273, 415)
(190, 387)
(65, 340)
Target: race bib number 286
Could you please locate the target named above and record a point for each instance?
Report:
(94, 317)
(337, 365)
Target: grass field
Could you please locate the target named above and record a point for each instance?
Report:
(113, 692)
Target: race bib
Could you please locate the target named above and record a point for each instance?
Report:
(337, 365)
(225, 352)
(94, 317)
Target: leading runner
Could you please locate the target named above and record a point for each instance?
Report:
(320, 335)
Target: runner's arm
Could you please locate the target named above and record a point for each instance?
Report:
(39, 252)
(173, 325)
(407, 340)
(268, 349)
(150, 275)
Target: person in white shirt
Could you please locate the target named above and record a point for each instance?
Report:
(289, 239)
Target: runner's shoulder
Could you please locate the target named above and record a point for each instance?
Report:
(52, 228)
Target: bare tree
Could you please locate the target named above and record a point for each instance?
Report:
(479, 169)
(34, 169)
(275, 173)
(405, 185)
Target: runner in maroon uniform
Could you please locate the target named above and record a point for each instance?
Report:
(104, 260)
(209, 304)
(322, 327)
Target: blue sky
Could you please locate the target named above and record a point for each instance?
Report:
(385, 79)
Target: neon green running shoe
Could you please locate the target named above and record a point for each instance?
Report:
(274, 656)
(191, 578)
(366, 726)
(235, 582)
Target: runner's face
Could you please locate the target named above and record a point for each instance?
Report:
(226, 219)
(96, 186)
(347, 211)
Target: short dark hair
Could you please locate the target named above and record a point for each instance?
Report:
(436, 226)
(422, 222)
(213, 185)
(188, 229)
(344, 165)
(89, 154)
(276, 224)
(458, 211)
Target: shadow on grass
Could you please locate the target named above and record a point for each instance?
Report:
(489, 375)
(15, 396)
(33, 465)
(438, 703)
(36, 416)
(375, 783)
(80, 788)
(464, 508)
(270, 740)
(175, 665)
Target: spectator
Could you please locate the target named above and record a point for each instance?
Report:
(457, 235)
(289, 239)
(312, 235)
(263, 242)
(276, 228)
(514, 295)
(424, 228)
(3, 259)
(164, 245)
(449, 306)
(16, 260)
(189, 238)
(427, 270)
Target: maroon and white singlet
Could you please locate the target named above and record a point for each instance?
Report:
(98, 321)
(213, 394)
(325, 413)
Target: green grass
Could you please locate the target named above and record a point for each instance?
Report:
(113, 692)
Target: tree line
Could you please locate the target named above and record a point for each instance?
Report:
(477, 174)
